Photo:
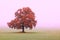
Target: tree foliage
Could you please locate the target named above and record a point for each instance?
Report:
(23, 17)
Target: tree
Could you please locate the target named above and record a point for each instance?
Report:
(24, 18)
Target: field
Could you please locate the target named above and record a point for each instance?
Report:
(30, 35)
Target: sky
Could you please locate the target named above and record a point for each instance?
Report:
(47, 12)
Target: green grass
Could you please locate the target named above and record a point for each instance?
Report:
(29, 36)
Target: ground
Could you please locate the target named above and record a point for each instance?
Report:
(30, 35)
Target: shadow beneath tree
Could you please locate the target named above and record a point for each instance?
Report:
(24, 32)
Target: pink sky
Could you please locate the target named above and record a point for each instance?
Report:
(47, 12)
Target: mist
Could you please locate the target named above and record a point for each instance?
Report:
(47, 12)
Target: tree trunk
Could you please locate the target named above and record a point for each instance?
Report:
(23, 29)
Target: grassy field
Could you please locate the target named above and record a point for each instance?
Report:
(30, 36)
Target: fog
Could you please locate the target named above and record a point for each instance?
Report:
(47, 12)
